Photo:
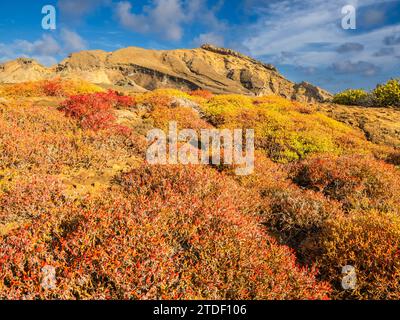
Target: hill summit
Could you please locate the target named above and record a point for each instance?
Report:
(218, 70)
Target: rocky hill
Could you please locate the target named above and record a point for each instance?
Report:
(216, 69)
(22, 70)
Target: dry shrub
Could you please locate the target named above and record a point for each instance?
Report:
(56, 87)
(40, 139)
(294, 216)
(297, 217)
(313, 223)
(155, 100)
(370, 242)
(53, 88)
(162, 98)
(27, 200)
(202, 94)
(357, 182)
(393, 158)
(185, 117)
(173, 233)
(176, 232)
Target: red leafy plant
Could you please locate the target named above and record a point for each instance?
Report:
(168, 232)
(53, 88)
(202, 93)
(96, 110)
(357, 182)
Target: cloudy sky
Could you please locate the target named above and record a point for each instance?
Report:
(303, 38)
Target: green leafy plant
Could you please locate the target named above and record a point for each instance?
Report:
(388, 94)
(351, 97)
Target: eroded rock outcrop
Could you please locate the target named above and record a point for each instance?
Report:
(216, 69)
(22, 70)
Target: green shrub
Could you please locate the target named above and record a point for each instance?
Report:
(385, 95)
(351, 97)
(388, 95)
(285, 130)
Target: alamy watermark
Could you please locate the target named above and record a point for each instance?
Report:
(213, 146)
(349, 20)
(49, 277)
(49, 20)
(349, 280)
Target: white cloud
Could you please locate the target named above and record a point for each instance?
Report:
(47, 49)
(165, 17)
(360, 67)
(169, 18)
(45, 46)
(293, 26)
(209, 38)
(72, 41)
(74, 10)
(43, 49)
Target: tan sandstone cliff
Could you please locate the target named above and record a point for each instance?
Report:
(216, 69)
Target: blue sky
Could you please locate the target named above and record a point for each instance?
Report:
(303, 38)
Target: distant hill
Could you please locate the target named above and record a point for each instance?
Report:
(216, 69)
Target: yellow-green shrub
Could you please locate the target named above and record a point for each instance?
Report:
(388, 95)
(351, 97)
(284, 129)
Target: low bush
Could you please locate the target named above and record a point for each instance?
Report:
(202, 94)
(295, 217)
(388, 94)
(36, 138)
(173, 233)
(222, 108)
(29, 198)
(191, 232)
(186, 118)
(51, 88)
(369, 242)
(357, 182)
(384, 95)
(152, 100)
(95, 111)
(285, 130)
(365, 235)
(351, 97)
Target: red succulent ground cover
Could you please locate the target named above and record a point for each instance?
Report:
(319, 196)
(169, 232)
(96, 110)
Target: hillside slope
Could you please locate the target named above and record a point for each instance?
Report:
(380, 125)
(216, 69)
(78, 196)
